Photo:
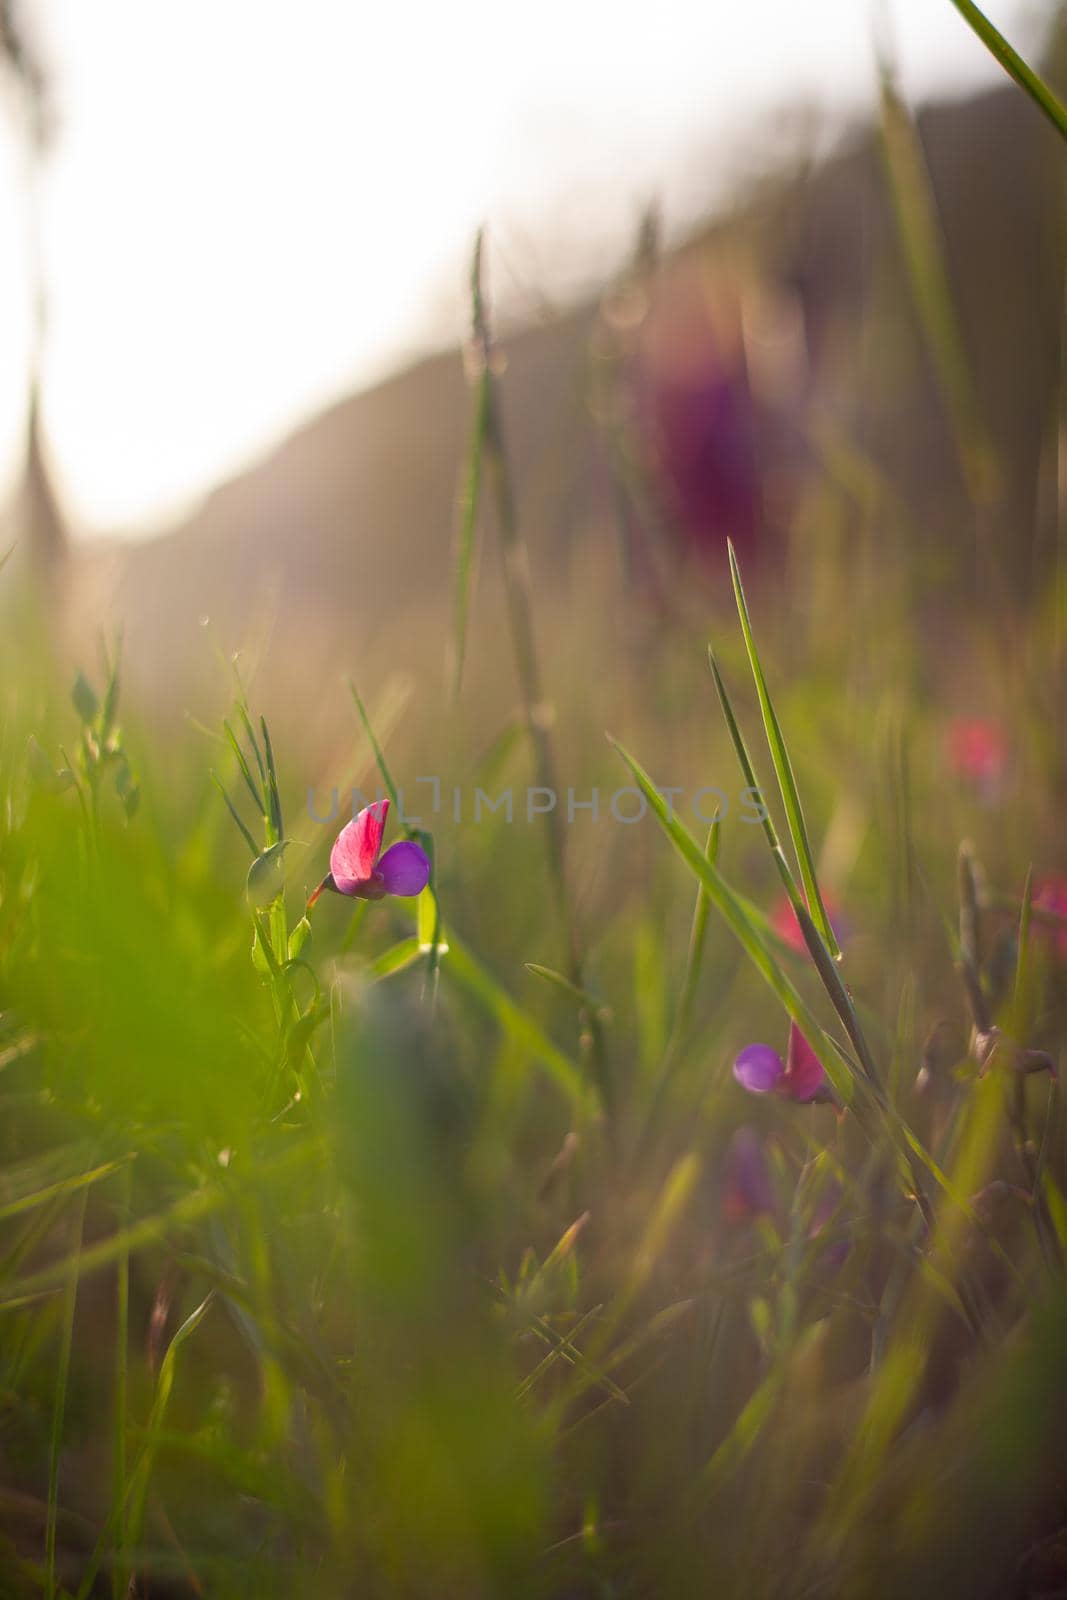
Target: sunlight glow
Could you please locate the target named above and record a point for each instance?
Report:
(253, 208)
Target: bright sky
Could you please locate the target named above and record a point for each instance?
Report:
(254, 206)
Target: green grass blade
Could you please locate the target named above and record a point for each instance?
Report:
(752, 941)
(395, 959)
(514, 1021)
(752, 782)
(1014, 65)
(840, 998)
(470, 498)
(258, 795)
(558, 981)
(379, 755)
(55, 1191)
(232, 809)
(784, 770)
(142, 1473)
(273, 793)
(923, 246)
(698, 931)
(250, 732)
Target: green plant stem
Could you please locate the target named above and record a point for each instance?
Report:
(1014, 65)
(536, 713)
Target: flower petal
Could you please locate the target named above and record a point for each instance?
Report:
(404, 868)
(804, 1074)
(759, 1069)
(356, 847)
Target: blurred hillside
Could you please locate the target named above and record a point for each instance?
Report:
(344, 532)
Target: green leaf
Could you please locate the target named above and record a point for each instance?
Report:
(232, 809)
(273, 794)
(299, 1036)
(387, 777)
(259, 956)
(84, 698)
(395, 959)
(264, 882)
(428, 926)
(731, 908)
(258, 796)
(126, 788)
(520, 1028)
(752, 782)
(558, 981)
(783, 768)
(299, 937)
(111, 697)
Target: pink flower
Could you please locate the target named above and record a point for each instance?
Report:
(978, 752)
(801, 1076)
(357, 868)
(785, 924)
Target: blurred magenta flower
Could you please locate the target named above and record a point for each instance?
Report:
(357, 868)
(761, 1070)
(747, 1188)
(699, 419)
(785, 924)
(978, 752)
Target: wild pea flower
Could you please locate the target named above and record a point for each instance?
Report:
(785, 924)
(357, 867)
(699, 419)
(761, 1070)
(978, 753)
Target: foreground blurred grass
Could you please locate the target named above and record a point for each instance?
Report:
(317, 1280)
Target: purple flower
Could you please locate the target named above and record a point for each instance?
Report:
(761, 1070)
(748, 1193)
(747, 1189)
(357, 868)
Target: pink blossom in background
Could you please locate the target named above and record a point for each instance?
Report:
(699, 421)
(978, 753)
(785, 924)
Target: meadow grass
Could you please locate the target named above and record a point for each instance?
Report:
(432, 1248)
